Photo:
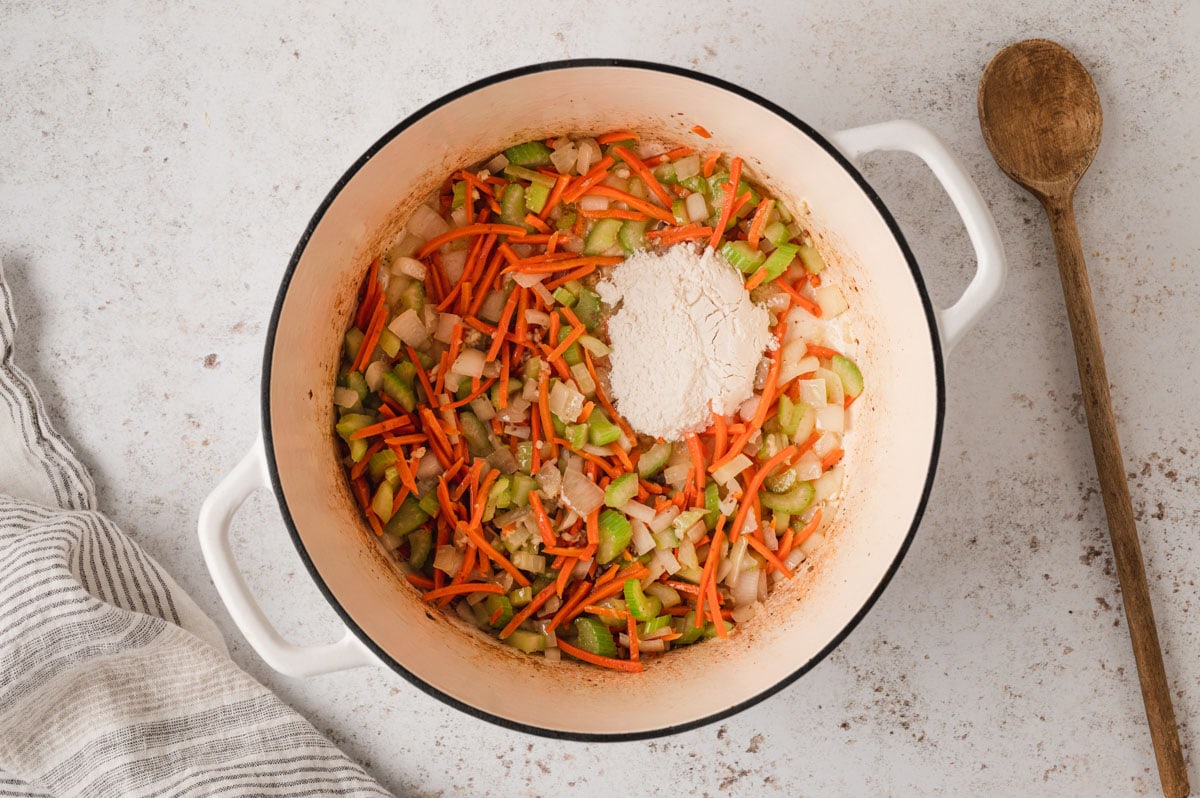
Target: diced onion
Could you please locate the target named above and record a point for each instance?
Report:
(769, 537)
(526, 280)
(538, 317)
(497, 164)
(826, 443)
(591, 202)
(566, 402)
(749, 407)
(594, 345)
(795, 557)
(745, 612)
(493, 306)
(697, 206)
(374, 374)
(550, 607)
(426, 223)
(448, 559)
(581, 494)
(745, 590)
(483, 408)
(565, 156)
(458, 218)
(454, 263)
(730, 470)
(813, 543)
(583, 380)
(429, 466)
(469, 363)
(831, 418)
(503, 459)
(409, 328)
(552, 654)
(812, 392)
(829, 484)
(543, 294)
(527, 561)
(664, 519)
(515, 537)
(737, 553)
(445, 327)
(807, 467)
(637, 510)
(549, 480)
(643, 541)
(687, 167)
(832, 301)
(410, 267)
(406, 246)
(676, 476)
(588, 154)
(667, 560)
(345, 397)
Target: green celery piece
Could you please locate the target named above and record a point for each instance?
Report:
(429, 503)
(382, 503)
(354, 339)
(526, 641)
(779, 260)
(420, 543)
(686, 626)
(530, 153)
(632, 236)
(358, 450)
(536, 195)
(665, 173)
(587, 307)
(379, 462)
(496, 602)
(811, 259)
(459, 198)
(601, 431)
(654, 460)
(565, 221)
(712, 502)
(654, 624)
(520, 596)
(564, 297)
(389, 342)
(408, 517)
(793, 502)
(358, 383)
(352, 423)
(789, 416)
(679, 211)
(594, 637)
(413, 296)
(535, 178)
(572, 355)
(525, 456)
(697, 183)
(512, 205)
(522, 484)
(777, 232)
(577, 435)
(641, 606)
(742, 256)
(399, 390)
(602, 236)
(621, 490)
(475, 433)
(615, 534)
(847, 371)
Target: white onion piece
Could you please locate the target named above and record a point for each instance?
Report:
(588, 154)
(448, 560)
(454, 263)
(826, 443)
(491, 368)
(749, 407)
(483, 408)
(519, 533)
(426, 223)
(580, 571)
(569, 518)
(497, 164)
(519, 431)
(581, 494)
(345, 397)
(812, 392)
(583, 380)
(745, 589)
(831, 418)
(430, 317)
(527, 561)
(529, 391)
(737, 553)
(697, 206)
(458, 218)
(599, 451)
(549, 480)
(527, 280)
(429, 466)
(814, 542)
(410, 329)
(687, 555)
(452, 382)
(552, 654)
(638, 511)
(664, 519)
(406, 246)
(564, 156)
(464, 612)
(374, 374)
(731, 469)
(728, 505)
(769, 537)
(807, 424)
(445, 327)
(653, 646)
(517, 410)
(807, 467)
(538, 317)
(667, 560)
(503, 459)
(643, 541)
(594, 345)
(410, 267)
(794, 558)
(745, 612)
(591, 202)
(832, 301)
(543, 293)
(469, 363)
(686, 167)
(566, 403)
(829, 484)
(493, 306)
(676, 476)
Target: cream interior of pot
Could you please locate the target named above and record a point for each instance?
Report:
(889, 450)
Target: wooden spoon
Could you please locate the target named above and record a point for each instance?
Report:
(1041, 119)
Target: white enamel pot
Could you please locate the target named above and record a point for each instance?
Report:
(900, 341)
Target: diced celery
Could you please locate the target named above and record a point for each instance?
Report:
(679, 211)
(358, 450)
(429, 503)
(686, 626)
(459, 197)
(811, 259)
(712, 506)
(641, 606)
(408, 517)
(514, 388)
(601, 431)
(632, 236)
(563, 297)
(496, 602)
(354, 339)
(789, 416)
(781, 480)
(530, 153)
(577, 435)
(779, 260)
(845, 368)
(352, 423)
(697, 183)
(710, 629)
(565, 221)
(654, 624)
(512, 205)
(420, 542)
(525, 456)
(594, 637)
(602, 236)
(521, 486)
(793, 502)
(665, 173)
(520, 596)
(535, 178)
(475, 433)
(389, 342)
(572, 355)
(399, 390)
(621, 490)
(587, 308)
(527, 641)
(776, 232)
(379, 462)
(536, 195)
(668, 595)
(615, 534)
(654, 459)
(413, 296)
(742, 255)
(382, 503)
(358, 383)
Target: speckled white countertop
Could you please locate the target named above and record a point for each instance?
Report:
(157, 168)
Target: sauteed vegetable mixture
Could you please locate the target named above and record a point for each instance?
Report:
(479, 433)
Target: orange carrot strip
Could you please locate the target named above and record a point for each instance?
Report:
(809, 528)
(371, 336)
(721, 436)
(701, 131)
(710, 163)
(613, 213)
(556, 194)
(754, 233)
(419, 581)
(612, 411)
(468, 230)
(605, 612)
(670, 155)
(696, 449)
(568, 606)
(379, 429)
(563, 345)
(527, 611)
(370, 286)
(799, 299)
(481, 543)
(828, 461)
(361, 465)
(543, 520)
(594, 175)
(603, 662)
(593, 527)
(617, 135)
(461, 588)
(687, 232)
(544, 409)
(631, 627)
(648, 208)
(770, 556)
(735, 174)
(718, 618)
(550, 267)
(510, 307)
(407, 478)
(756, 279)
(709, 573)
(562, 551)
(642, 171)
(535, 221)
(823, 351)
(753, 486)
(564, 575)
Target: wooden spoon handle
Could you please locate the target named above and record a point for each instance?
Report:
(1127, 552)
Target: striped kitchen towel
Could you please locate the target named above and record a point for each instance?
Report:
(112, 681)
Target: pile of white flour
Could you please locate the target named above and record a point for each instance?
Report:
(684, 336)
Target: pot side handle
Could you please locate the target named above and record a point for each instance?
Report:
(917, 139)
(216, 515)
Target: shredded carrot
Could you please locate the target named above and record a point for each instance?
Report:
(603, 662)
(696, 449)
(526, 611)
(800, 299)
(565, 344)
(643, 171)
(614, 213)
(752, 488)
(710, 163)
(543, 520)
(605, 612)
(631, 627)
(584, 182)
(754, 233)
(823, 352)
(830, 459)
(535, 221)
(468, 230)
(687, 232)
(735, 174)
(463, 588)
(379, 429)
(756, 279)
(642, 205)
(769, 555)
(670, 155)
(618, 135)
(556, 193)
(701, 131)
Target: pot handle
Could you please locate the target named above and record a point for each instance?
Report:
(216, 514)
(988, 281)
